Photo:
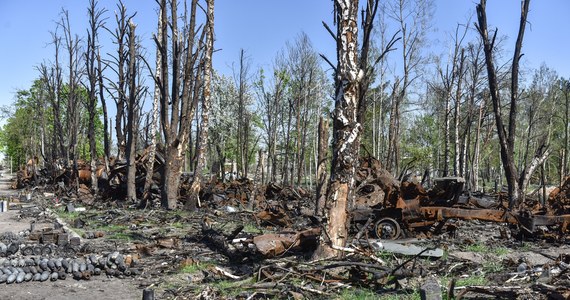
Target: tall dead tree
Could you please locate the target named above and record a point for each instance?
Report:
(95, 23)
(346, 126)
(106, 139)
(132, 112)
(565, 88)
(206, 103)
(53, 77)
(475, 68)
(154, 122)
(516, 184)
(243, 115)
(72, 46)
(119, 66)
(457, 162)
(177, 106)
(322, 174)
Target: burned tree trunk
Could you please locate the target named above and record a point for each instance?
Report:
(72, 46)
(132, 116)
(322, 174)
(206, 103)
(120, 68)
(106, 146)
(91, 54)
(346, 129)
(506, 139)
(177, 106)
(154, 125)
(457, 164)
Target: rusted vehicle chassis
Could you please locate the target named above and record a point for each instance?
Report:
(390, 223)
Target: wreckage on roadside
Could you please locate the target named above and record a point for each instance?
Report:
(394, 210)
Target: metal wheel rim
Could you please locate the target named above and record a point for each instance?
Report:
(387, 229)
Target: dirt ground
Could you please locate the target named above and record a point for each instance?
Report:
(216, 253)
(98, 288)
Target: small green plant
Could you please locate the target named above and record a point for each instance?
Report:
(385, 256)
(251, 228)
(357, 294)
(111, 228)
(492, 266)
(121, 236)
(526, 246)
(67, 216)
(178, 225)
(365, 294)
(472, 281)
(193, 268)
(501, 251)
(477, 247)
(231, 288)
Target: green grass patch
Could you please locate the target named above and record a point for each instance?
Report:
(365, 294)
(477, 248)
(493, 266)
(120, 236)
(471, 281)
(229, 288)
(501, 251)
(67, 216)
(193, 268)
(357, 294)
(178, 225)
(526, 246)
(79, 231)
(112, 228)
(251, 228)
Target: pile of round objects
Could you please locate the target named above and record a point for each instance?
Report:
(21, 269)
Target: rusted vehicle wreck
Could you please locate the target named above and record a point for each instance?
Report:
(408, 208)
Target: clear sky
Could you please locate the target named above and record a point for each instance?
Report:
(262, 27)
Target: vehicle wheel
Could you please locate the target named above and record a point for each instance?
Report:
(387, 229)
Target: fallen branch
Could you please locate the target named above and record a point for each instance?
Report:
(361, 252)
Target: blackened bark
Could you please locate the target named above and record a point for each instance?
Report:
(322, 174)
(506, 139)
(206, 103)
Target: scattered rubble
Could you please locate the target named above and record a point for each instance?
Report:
(405, 238)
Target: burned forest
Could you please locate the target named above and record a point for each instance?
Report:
(408, 162)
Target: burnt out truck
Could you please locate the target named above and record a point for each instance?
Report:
(413, 209)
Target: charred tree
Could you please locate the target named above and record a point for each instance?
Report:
(154, 122)
(132, 112)
(119, 65)
(516, 186)
(206, 103)
(72, 46)
(177, 106)
(106, 139)
(346, 129)
(243, 115)
(322, 174)
(93, 76)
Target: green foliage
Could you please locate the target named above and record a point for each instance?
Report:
(30, 122)
(422, 141)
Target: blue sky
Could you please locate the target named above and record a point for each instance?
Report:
(262, 27)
